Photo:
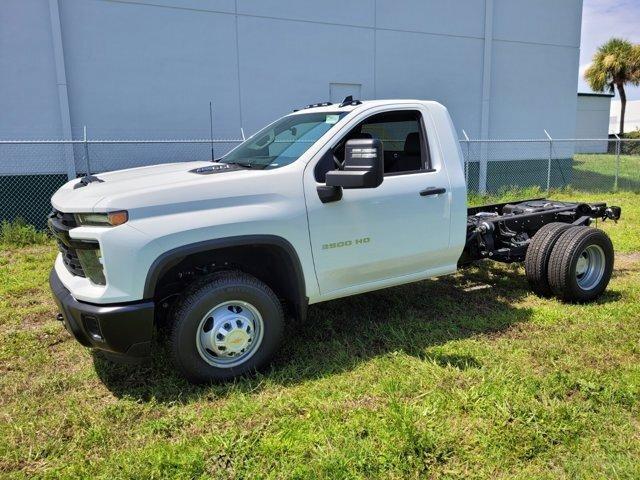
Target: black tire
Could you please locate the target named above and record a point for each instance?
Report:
(536, 262)
(563, 276)
(203, 296)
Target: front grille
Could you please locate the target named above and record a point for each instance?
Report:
(60, 224)
(71, 260)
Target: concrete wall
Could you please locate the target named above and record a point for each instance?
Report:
(592, 121)
(148, 69)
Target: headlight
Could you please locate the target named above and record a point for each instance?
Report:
(91, 262)
(111, 219)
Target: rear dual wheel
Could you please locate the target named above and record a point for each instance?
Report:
(581, 264)
(536, 262)
(573, 263)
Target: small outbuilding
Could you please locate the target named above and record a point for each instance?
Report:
(592, 122)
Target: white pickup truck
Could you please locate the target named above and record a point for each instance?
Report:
(329, 201)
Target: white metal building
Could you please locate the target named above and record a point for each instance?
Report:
(149, 68)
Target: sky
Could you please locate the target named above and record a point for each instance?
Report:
(601, 20)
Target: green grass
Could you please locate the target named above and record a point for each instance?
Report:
(596, 172)
(19, 234)
(469, 376)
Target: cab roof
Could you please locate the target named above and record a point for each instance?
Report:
(328, 107)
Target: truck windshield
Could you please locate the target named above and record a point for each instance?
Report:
(282, 142)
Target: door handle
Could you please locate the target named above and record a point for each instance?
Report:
(432, 191)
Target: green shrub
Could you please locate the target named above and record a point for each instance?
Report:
(631, 148)
(634, 134)
(19, 233)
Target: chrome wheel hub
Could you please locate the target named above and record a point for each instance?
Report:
(590, 267)
(229, 334)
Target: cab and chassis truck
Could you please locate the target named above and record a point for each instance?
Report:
(329, 201)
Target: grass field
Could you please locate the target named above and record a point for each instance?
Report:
(469, 376)
(596, 172)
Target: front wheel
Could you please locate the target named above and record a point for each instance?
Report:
(226, 325)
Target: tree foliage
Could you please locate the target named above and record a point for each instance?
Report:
(614, 63)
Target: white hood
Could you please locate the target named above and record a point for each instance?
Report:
(121, 188)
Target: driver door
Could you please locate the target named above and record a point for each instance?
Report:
(388, 234)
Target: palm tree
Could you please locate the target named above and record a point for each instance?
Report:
(614, 64)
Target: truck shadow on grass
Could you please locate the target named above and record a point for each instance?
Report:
(341, 334)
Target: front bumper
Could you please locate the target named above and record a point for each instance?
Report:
(123, 330)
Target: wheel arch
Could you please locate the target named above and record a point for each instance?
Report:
(286, 276)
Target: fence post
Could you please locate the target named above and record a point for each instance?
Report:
(466, 159)
(618, 145)
(69, 159)
(483, 165)
(549, 161)
(86, 149)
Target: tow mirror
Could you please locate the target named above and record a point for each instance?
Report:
(363, 165)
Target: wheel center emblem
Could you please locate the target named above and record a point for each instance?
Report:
(237, 339)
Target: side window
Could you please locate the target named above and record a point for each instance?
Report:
(402, 136)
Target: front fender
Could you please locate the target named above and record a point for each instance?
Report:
(164, 262)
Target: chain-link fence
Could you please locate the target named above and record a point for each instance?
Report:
(31, 171)
(592, 165)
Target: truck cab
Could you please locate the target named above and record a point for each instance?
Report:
(409, 226)
(329, 201)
